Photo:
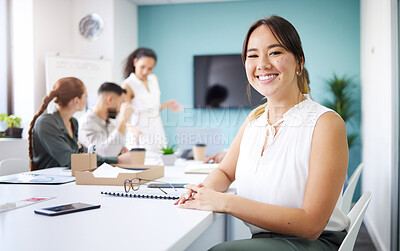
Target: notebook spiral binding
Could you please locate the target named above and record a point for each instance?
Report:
(142, 196)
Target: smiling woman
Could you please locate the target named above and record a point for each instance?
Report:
(277, 52)
(289, 158)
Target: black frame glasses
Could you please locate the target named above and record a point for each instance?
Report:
(135, 184)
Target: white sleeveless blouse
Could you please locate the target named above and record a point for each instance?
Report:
(146, 115)
(279, 177)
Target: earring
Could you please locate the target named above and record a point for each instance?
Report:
(298, 73)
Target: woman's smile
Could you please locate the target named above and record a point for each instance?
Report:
(266, 78)
(270, 68)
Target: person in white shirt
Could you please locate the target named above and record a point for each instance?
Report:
(100, 126)
(141, 84)
(289, 158)
(218, 157)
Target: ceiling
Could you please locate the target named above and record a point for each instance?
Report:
(157, 2)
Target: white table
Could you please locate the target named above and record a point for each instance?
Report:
(120, 224)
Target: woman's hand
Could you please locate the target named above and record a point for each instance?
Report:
(172, 105)
(125, 111)
(124, 150)
(126, 158)
(202, 198)
(188, 195)
(216, 158)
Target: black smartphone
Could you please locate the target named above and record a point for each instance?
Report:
(66, 209)
(166, 185)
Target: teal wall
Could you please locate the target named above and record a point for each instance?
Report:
(330, 33)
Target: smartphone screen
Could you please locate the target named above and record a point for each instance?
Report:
(166, 185)
(65, 209)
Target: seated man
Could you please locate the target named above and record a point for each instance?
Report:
(99, 127)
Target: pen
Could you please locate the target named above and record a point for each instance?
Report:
(163, 190)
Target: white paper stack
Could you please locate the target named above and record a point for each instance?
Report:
(109, 171)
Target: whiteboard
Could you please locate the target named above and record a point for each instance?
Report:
(92, 72)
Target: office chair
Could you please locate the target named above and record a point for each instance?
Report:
(12, 166)
(349, 192)
(356, 216)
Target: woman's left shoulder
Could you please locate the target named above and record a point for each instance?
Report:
(330, 120)
(152, 77)
(324, 114)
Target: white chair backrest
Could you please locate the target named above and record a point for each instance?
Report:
(349, 192)
(12, 166)
(356, 216)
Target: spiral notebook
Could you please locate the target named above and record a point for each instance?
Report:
(147, 194)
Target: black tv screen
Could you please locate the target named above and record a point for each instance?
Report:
(220, 82)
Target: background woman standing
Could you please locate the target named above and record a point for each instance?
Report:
(143, 89)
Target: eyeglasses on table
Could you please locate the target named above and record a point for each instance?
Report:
(135, 184)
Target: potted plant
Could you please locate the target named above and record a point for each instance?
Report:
(168, 156)
(13, 126)
(342, 101)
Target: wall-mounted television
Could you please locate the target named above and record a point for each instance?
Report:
(220, 82)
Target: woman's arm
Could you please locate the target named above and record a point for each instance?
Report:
(172, 105)
(129, 92)
(129, 96)
(327, 171)
(220, 179)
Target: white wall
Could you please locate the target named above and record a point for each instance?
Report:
(379, 113)
(3, 60)
(104, 45)
(125, 34)
(52, 32)
(22, 59)
(43, 26)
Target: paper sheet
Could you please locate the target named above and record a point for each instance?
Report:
(109, 171)
(35, 178)
(22, 203)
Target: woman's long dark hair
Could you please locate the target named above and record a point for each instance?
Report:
(138, 53)
(64, 90)
(288, 37)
